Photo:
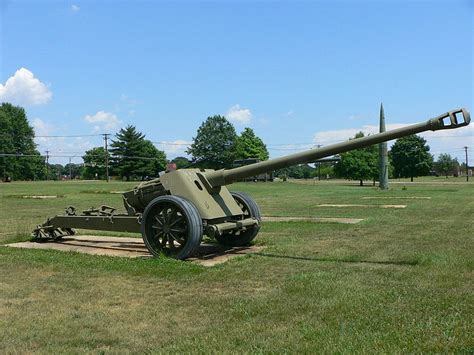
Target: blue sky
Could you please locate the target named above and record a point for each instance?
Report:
(298, 73)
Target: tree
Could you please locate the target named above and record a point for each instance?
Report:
(133, 155)
(301, 171)
(214, 144)
(446, 164)
(248, 145)
(324, 170)
(94, 163)
(125, 150)
(154, 160)
(410, 157)
(181, 162)
(358, 164)
(17, 137)
(55, 171)
(72, 170)
(463, 168)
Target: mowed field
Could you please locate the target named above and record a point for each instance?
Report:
(400, 281)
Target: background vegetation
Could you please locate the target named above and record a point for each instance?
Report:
(216, 146)
(16, 137)
(396, 282)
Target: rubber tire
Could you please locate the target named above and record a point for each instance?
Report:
(246, 237)
(193, 220)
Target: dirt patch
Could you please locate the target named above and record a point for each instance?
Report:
(207, 255)
(102, 192)
(41, 197)
(211, 254)
(313, 219)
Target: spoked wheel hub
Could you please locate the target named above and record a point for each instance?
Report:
(172, 226)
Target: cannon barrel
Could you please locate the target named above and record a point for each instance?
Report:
(452, 119)
(174, 211)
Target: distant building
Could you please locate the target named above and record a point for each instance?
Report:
(248, 161)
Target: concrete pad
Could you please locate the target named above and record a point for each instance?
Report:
(207, 255)
(396, 198)
(40, 197)
(313, 219)
(212, 254)
(367, 206)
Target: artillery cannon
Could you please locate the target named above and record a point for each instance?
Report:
(173, 212)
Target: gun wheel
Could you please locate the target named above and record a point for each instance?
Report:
(242, 237)
(172, 226)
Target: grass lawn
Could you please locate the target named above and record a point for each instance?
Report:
(400, 281)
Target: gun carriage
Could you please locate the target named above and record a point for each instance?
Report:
(173, 212)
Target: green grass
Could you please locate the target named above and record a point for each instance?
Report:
(400, 281)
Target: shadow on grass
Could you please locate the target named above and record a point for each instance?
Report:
(333, 260)
(127, 248)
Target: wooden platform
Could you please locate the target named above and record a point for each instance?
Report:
(208, 254)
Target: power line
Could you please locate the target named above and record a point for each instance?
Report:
(19, 155)
(269, 148)
(72, 136)
(268, 144)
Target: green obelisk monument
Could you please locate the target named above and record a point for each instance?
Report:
(383, 155)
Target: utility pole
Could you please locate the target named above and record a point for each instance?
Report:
(47, 165)
(106, 136)
(319, 166)
(467, 166)
(70, 169)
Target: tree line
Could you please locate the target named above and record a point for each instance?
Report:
(215, 146)
(409, 157)
(131, 155)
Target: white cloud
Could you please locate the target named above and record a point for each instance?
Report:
(451, 141)
(127, 104)
(295, 147)
(75, 8)
(24, 89)
(263, 121)
(175, 148)
(334, 136)
(447, 141)
(129, 101)
(42, 128)
(239, 115)
(80, 144)
(103, 120)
